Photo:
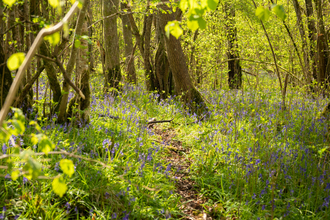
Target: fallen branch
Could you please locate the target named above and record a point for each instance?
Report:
(157, 122)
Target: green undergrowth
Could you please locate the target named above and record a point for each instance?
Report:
(250, 159)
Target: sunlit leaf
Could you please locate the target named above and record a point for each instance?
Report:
(183, 5)
(192, 24)
(280, 12)
(67, 167)
(15, 61)
(9, 2)
(77, 43)
(46, 145)
(53, 38)
(54, 3)
(66, 29)
(262, 13)
(15, 174)
(173, 28)
(32, 168)
(59, 186)
(201, 23)
(212, 4)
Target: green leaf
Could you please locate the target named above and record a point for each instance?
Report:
(33, 168)
(15, 61)
(53, 38)
(46, 145)
(9, 2)
(67, 167)
(192, 24)
(201, 23)
(173, 28)
(59, 186)
(25, 154)
(280, 12)
(15, 174)
(77, 43)
(212, 4)
(262, 13)
(54, 3)
(183, 5)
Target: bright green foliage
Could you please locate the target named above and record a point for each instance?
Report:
(53, 38)
(263, 13)
(195, 12)
(67, 167)
(9, 2)
(15, 61)
(15, 174)
(59, 186)
(173, 28)
(279, 11)
(45, 144)
(54, 3)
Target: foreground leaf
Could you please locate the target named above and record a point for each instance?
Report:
(67, 167)
(15, 61)
(59, 186)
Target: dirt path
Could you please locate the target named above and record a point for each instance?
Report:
(191, 202)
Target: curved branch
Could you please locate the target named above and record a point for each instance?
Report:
(36, 44)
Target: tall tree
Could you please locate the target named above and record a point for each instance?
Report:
(235, 70)
(163, 71)
(128, 40)
(182, 81)
(111, 44)
(311, 35)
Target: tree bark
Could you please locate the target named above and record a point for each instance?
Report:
(111, 44)
(303, 40)
(235, 70)
(149, 74)
(183, 84)
(311, 36)
(5, 76)
(70, 66)
(163, 71)
(322, 47)
(129, 55)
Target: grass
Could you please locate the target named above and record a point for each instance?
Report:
(250, 160)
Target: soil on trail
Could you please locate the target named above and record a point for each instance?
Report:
(191, 201)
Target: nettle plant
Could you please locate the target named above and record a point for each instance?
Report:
(26, 163)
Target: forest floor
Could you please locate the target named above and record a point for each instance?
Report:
(248, 159)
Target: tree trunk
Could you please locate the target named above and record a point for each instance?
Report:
(235, 70)
(5, 75)
(150, 79)
(303, 40)
(311, 35)
(111, 44)
(163, 71)
(322, 47)
(70, 66)
(83, 72)
(182, 81)
(129, 55)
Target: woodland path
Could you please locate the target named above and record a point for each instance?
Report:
(178, 157)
